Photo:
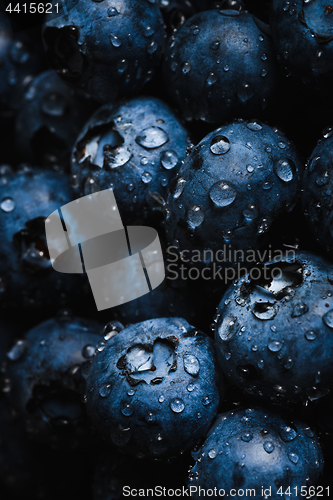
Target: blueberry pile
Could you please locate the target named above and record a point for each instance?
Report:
(210, 121)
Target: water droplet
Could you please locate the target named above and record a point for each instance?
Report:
(267, 185)
(268, 447)
(152, 47)
(152, 137)
(263, 57)
(263, 73)
(169, 159)
(287, 433)
(7, 205)
(131, 392)
(289, 364)
(212, 453)
(215, 45)
(250, 211)
(274, 346)
(211, 78)
(115, 40)
(254, 125)
(226, 68)
(206, 401)
(222, 194)
(179, 187)
(328, 318)
(190, 387)
(127, 410)
(191, 365)
(327, 132)
(146, 177)
(284, 169)
(299, 309)
(308, 432)
(17, 350)
(293, 458)
(149, 31)
(105, 391)
(195, 216)
(310, 335)
(150, 418)
(18, 53)
(228, 328)
(54, 104)
(220, 145)
(264, 310)
(88, 351)
(245, 92)
(177, 405)
(122, 65)
(161, 399)
(281, 145)
(112, 12)
(247, 437)
(186, 67)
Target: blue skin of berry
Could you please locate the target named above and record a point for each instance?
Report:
(21, 61)
(154, 389)
(144, 144)
(317, 198)
(302, 33)
(28, 279)
(273, 336)
(232, 186)
(46, 385)
(220, 65)
(253, 447)
(49, 121)
(107, 49)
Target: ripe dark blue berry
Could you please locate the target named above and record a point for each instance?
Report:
(220, 65)
(135, 147)
(154, 389)
(44, 379)
(49, 121)
(254, 450)
(274, 329)
(27, 278)
(231, 188)
(317, 196)
(302, 33)
(105, 50)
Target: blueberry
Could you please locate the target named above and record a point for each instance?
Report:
(318, 191)
(49, 121)
(20, 62)
(136, 147)
(220, 65)
(26, 275)
(45, 377)
(107, 50)
(302, 32)
(250, 449)
(273, 329)
(230, 189)
(154, 388)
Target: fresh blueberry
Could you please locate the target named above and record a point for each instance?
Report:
(135, 147)
(20, 62)
(302, 33)
(26, 274)
(259, 452)
(154, 388)
(318, 191)
(230, 189)
(105, 49)
(273, 329)
(220, 65)
(49, 121)
(45, 379)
